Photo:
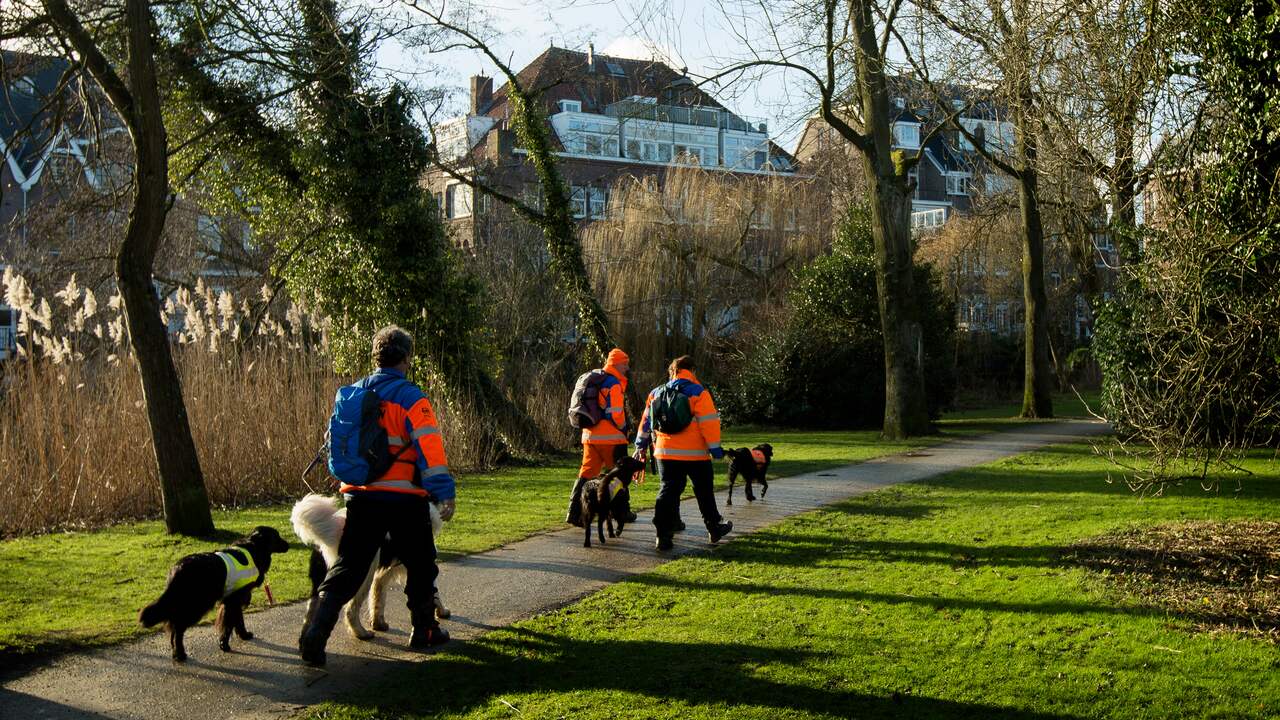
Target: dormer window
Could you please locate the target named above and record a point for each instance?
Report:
(574, 106)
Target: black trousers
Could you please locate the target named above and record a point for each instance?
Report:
(675, 475)
(407, 519)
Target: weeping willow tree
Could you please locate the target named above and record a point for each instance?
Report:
(680, 261)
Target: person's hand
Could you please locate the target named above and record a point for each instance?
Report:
(446, 509)
(717, 453)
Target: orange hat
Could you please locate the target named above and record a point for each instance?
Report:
(617, 357)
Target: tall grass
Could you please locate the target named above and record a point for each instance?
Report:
(75, 446)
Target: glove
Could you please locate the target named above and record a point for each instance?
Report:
(446, 509)
(717, 453)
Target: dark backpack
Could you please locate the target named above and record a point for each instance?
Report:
(670, 412)
(584, 403)
(358, 449)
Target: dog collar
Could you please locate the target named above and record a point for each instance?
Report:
(758, 456)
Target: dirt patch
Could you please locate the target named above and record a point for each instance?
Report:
(1225, 576)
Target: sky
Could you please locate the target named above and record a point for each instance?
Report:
(693, 34)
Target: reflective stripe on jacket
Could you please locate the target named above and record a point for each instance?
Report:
(612, 428)
(409, 420)
(239, 574)
(695, 441)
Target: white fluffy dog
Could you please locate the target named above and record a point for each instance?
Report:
(318, 522)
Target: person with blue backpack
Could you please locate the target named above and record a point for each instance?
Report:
(386, 452)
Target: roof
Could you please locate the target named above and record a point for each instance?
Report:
(562, 74)
(26, 113)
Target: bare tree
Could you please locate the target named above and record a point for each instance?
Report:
(841, 50)
(1114, 68)
(137, 102)
(1013, 46)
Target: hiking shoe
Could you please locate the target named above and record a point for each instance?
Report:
(714, 534)
(662, 544)
(430, 637)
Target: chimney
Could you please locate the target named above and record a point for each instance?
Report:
(591, 57)
(481, 93)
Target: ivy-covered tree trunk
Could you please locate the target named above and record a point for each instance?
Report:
(557, 224)
(376, 252)
(363, 157)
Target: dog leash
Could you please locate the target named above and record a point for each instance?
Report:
(311, 465)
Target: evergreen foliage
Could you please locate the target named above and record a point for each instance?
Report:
(824, 366)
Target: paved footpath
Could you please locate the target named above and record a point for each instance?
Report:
(264, 678)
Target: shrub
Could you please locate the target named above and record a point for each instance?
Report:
(821, 363)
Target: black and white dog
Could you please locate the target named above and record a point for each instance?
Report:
(318, 522)
(753, 466)
(199, 581)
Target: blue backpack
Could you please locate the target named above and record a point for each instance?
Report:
(358, 449)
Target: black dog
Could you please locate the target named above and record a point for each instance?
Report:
(753, 466)
(607, 499)
(197, 582)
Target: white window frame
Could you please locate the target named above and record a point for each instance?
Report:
(597, 202)
(578, 201)
(901, 135)
(458, 201)
(958, 183)
(571, 106)
(929, 219)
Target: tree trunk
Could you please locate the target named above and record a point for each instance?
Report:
(1037, 386)
(906, 412)
(186, 504)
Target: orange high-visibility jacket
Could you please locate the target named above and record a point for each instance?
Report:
(694, 442)
(408, 418)
(612, 428)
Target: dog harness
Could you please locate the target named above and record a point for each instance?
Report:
(240, 573)
(758, 456)
(614, 486)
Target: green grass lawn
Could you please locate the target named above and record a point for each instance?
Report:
(1065, 405)
(85, 588)
(940, 599)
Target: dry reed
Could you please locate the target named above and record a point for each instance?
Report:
(75, 446)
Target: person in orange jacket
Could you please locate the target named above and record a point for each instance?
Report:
(393, 506)
(606, 441)
(684, 456)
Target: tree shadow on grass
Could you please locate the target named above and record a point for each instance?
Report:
(932, 601)
(793, 549)
(713, 676)
(1028, 477)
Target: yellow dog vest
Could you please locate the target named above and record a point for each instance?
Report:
(239, 574)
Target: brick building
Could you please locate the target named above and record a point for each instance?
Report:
(610, 119)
